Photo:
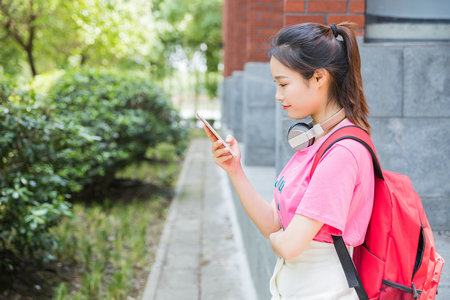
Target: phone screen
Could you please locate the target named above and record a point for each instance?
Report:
(201, 118)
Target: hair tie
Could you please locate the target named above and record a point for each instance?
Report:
(334, 28)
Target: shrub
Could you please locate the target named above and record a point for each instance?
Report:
(123, 117)
(32, 193)
(71, 141)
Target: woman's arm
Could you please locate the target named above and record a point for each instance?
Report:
(263, 214)
(299, 233)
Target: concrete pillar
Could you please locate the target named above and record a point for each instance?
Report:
(259, 115)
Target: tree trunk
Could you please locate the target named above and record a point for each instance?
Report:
(29, 51)
(29, 47)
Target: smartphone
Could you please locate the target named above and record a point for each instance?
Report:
(201, 118)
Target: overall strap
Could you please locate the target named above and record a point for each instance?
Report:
(359, 134)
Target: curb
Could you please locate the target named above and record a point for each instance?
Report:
(155, 272)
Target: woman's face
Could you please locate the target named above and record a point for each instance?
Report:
(297, 98)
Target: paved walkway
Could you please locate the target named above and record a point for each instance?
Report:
(200, 255)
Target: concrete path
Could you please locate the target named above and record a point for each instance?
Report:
(200, 254)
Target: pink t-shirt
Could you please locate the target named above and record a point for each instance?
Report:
(340, 193)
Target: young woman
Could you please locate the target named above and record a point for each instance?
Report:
(318, 75)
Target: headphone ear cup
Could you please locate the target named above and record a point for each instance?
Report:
(297, 129)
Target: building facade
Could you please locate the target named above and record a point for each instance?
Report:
(405, 57)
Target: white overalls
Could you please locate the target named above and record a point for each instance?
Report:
(315, 274)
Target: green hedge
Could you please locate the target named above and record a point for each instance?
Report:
(74, 139)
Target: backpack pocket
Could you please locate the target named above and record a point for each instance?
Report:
(370, 269)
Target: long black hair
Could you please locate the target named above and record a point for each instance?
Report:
(306, 47)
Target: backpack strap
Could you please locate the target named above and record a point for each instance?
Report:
(351, 274)
(349, 132)
(359, 134)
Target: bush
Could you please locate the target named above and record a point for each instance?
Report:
(123, 116)
(73, 140)
(32, 196)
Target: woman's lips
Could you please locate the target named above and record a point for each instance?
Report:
(286, 106)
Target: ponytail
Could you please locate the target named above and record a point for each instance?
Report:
(309, 46)
(350, 91)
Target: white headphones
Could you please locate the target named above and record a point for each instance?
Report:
(302, 135)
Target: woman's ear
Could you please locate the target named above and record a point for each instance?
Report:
(320, 77)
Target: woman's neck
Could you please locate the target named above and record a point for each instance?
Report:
(326, 132)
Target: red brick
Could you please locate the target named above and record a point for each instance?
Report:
(294, 6)
(253, 15)
(278, 7)
(327, 6)
(257, 58)
(292, 20)
(257, 40)
(253, 31)
(359, 32)
(260, 7)
(259, 24)
(269, 31)
(357, 6)
(358, 19)
(277, 23)
(271, 16)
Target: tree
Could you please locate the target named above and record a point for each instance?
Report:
(19, 20)
(195, 25)
(61, 34)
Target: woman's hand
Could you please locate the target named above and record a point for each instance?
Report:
(222, 156)
(297, 236)
(273, 241)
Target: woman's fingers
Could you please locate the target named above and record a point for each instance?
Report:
(224, 158)
(217, 144)
(219, 152)
(211, 136)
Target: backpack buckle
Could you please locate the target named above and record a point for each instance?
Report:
(416, 294)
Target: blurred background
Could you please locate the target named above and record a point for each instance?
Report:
(97, 103)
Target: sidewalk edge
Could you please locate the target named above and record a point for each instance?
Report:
(155, 272)
(248, 283)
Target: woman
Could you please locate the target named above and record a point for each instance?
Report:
(317, 75)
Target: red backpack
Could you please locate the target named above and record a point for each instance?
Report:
(397, 259)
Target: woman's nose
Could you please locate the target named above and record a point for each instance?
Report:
(278, 96)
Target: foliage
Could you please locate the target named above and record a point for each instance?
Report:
(195, 25)
(91, 124)
(110, 244)
(48, 34)
(129, 34)
(32, 196)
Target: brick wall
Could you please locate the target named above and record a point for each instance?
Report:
(234, 35)
(249, 25)
(325, 12)
(247, 28)
(265, 18)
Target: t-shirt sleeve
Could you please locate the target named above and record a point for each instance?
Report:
(330, 190)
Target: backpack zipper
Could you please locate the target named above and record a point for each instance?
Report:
(420, 251)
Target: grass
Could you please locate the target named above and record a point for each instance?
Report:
(106, 250)
(112, 243)
(112, 246)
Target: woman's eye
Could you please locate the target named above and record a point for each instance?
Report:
(282, 85)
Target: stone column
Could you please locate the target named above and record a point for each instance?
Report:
(259, 115)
